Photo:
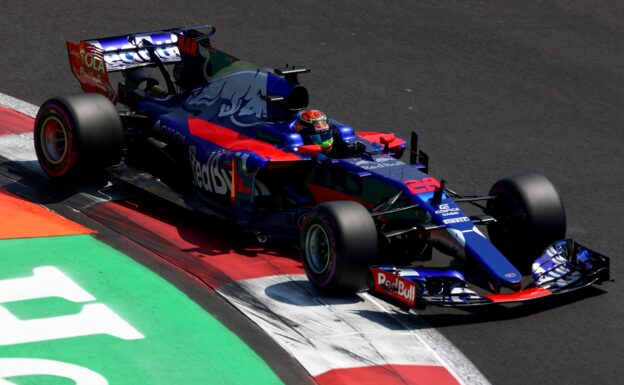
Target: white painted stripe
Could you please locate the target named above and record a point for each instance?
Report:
(451, 357)
(20, 148)
(18, 105)
(325, 333)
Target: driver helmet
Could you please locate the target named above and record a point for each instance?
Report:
(314, 128)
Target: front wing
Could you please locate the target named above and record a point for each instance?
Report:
(565, 266)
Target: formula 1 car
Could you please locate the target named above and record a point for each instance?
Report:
(219, 138)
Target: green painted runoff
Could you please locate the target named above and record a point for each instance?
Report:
(182, 343)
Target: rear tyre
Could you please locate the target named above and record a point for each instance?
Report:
(77, 135)
(339, 242)
(530, 216)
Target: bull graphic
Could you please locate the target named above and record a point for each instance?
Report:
(236, 97)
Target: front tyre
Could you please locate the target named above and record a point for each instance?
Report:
(77, 135)
(339, 242)
(529, 217)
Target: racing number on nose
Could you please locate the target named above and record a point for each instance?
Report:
(424, 185)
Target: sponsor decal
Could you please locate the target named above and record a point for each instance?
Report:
(92, 62)
(210, 177)
(456, 220)
(88, 65)
(236, 97)
(169, 132)
(119, 55)
(424, 185)
(446, 210)
(87, 60)
(381, 162)
(187, 45)
(394, 286)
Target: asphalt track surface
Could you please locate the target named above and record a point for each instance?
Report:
(494, 89)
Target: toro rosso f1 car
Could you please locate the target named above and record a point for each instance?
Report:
(216, 134)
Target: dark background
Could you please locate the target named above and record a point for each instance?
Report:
(493, 87)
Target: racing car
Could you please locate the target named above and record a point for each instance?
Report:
(218, 136)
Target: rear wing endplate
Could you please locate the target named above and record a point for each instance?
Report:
(88, 65)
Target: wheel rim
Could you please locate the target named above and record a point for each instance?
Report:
(53, 140)
(318, 253)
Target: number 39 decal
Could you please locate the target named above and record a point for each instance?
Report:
(424, 185)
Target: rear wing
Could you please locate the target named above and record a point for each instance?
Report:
(92, 60)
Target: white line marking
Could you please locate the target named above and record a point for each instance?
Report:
(325, 333)
(18, 105)
(451, 357)
(19, 147)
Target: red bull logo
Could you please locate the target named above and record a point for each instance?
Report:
(394, 286)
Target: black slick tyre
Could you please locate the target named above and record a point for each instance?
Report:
(530, 216)
(77, 135)
(339, 241)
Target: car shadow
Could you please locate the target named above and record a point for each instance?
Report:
(205, 235)
(25, 178)
(300, 292)
(190, 243)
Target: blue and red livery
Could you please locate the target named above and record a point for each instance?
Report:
(218, 137)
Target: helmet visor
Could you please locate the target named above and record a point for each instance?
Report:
(322, 138)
